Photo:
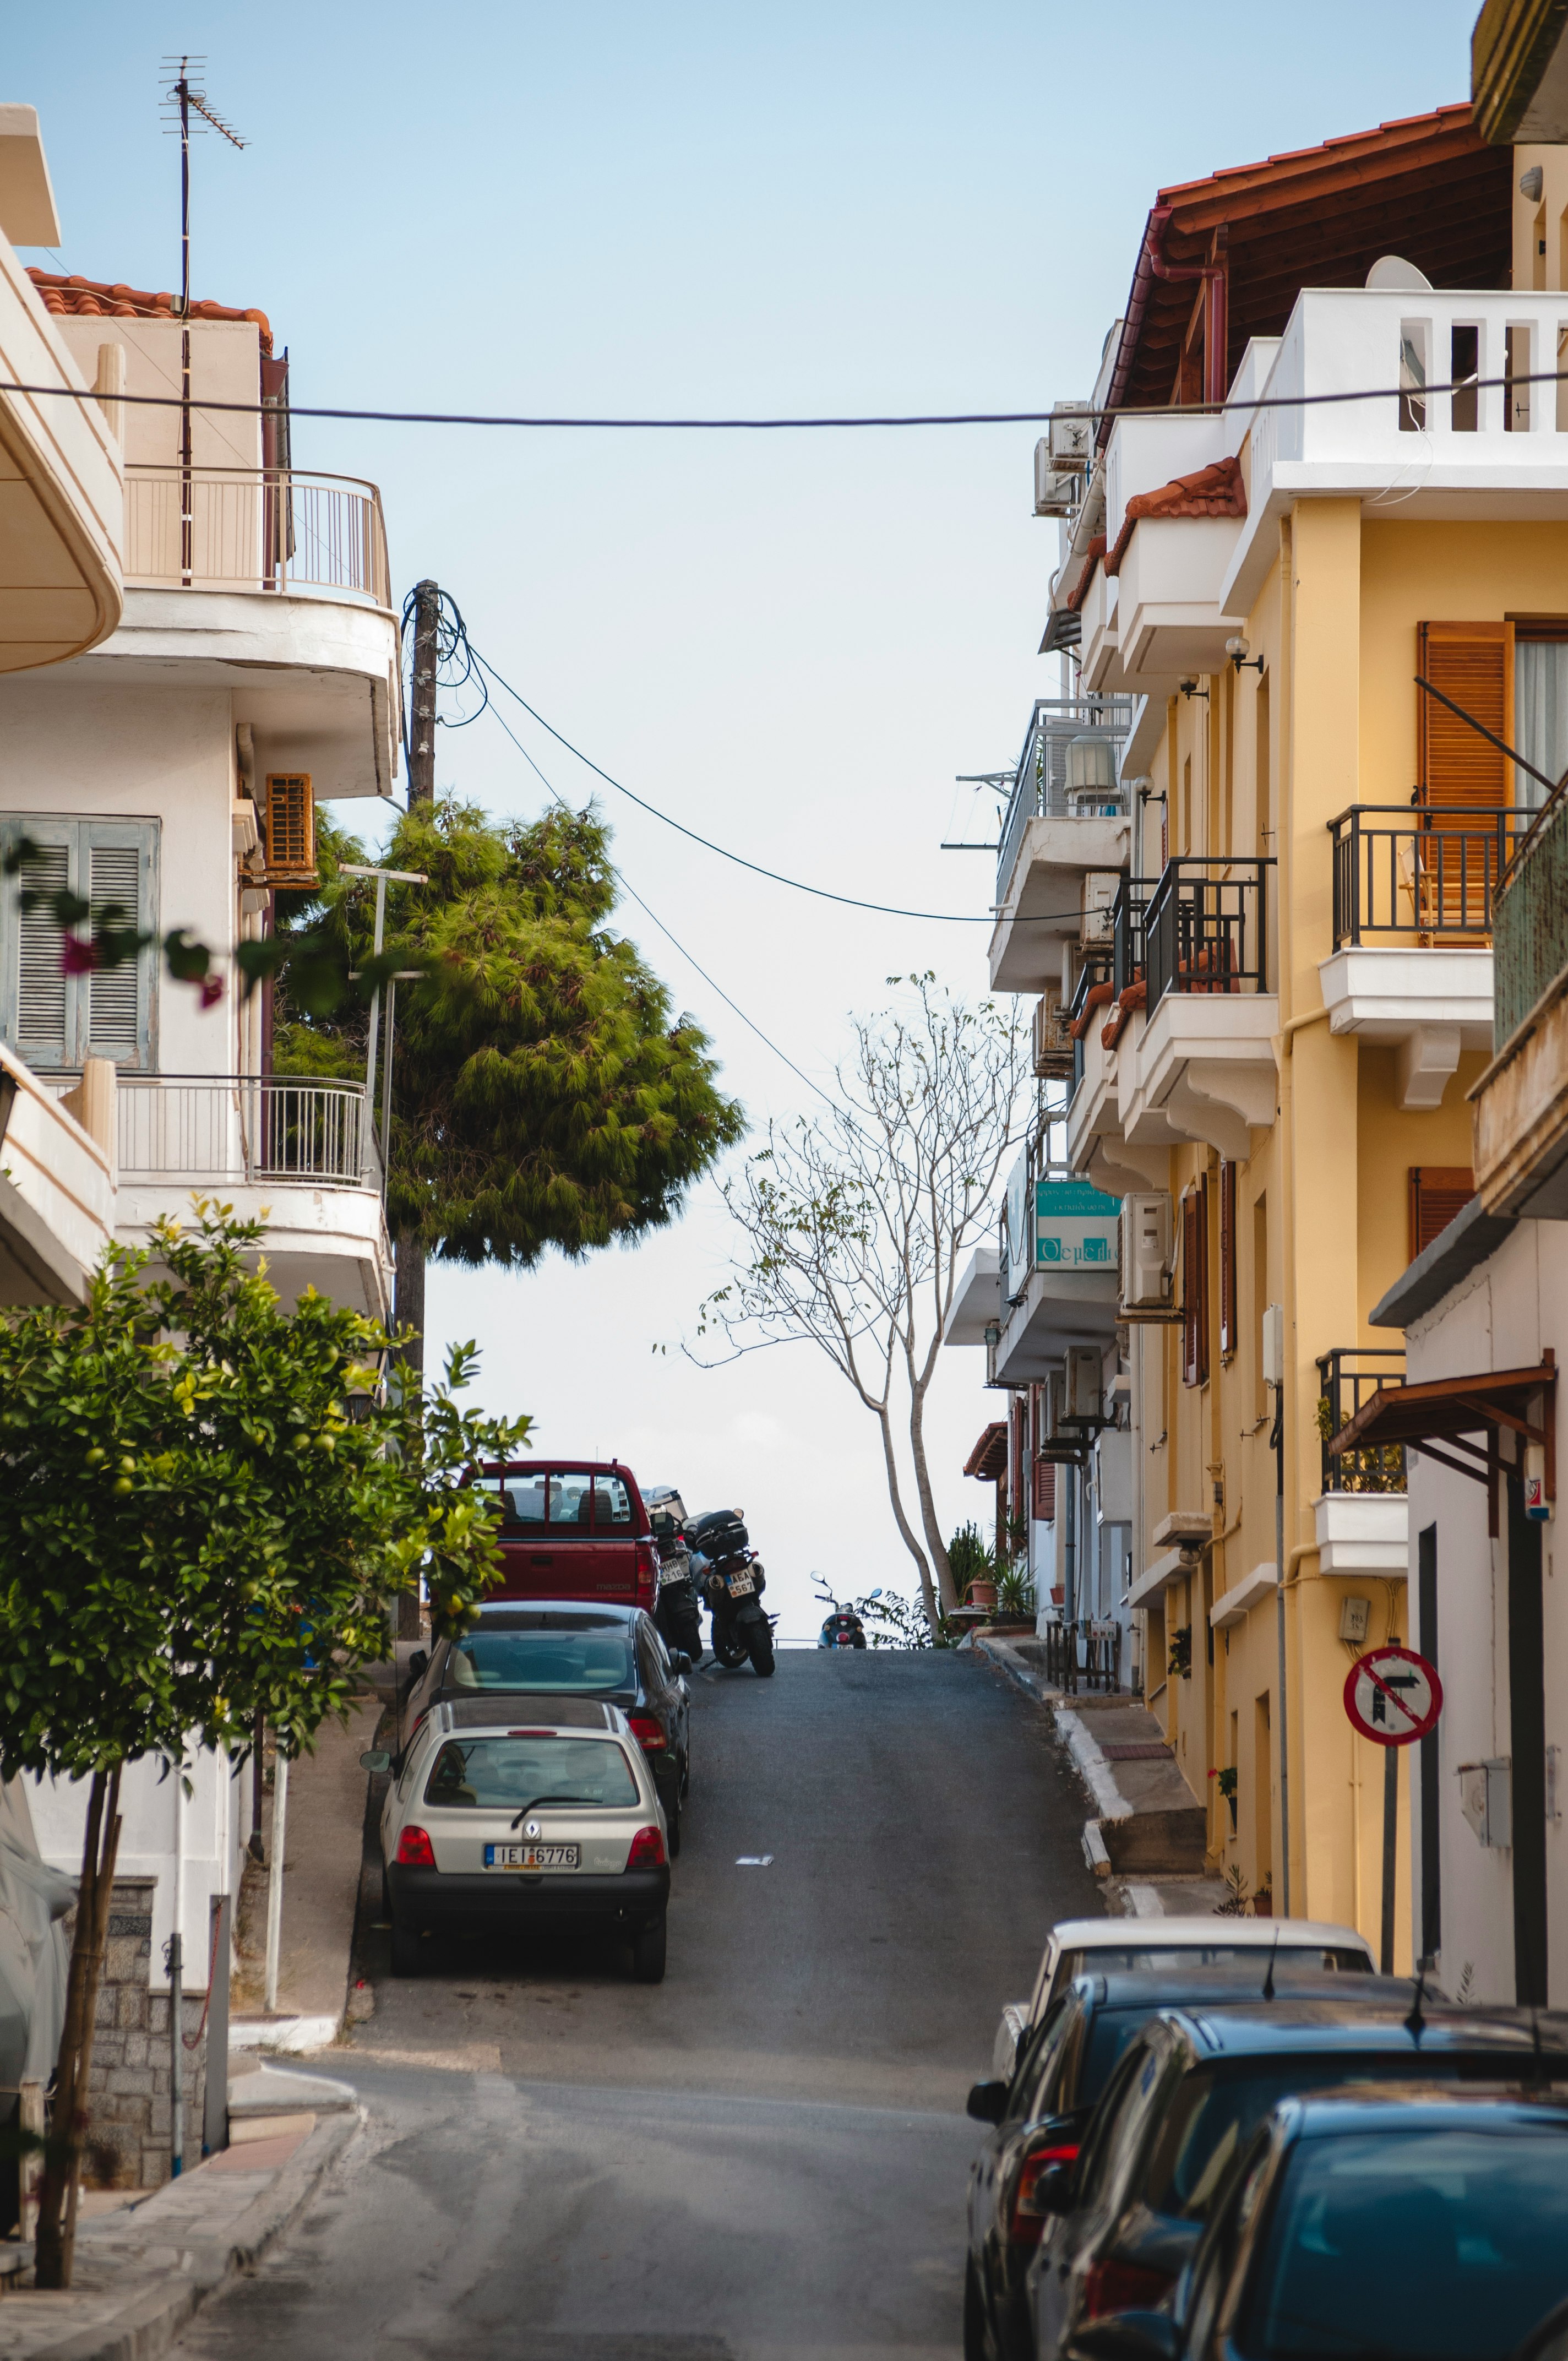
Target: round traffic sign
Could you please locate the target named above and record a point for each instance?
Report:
(1393, 1695)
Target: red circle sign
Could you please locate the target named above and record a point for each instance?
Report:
(1393, 1695)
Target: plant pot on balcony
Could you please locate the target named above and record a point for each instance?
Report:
(1058, 1594)
(981, 1593)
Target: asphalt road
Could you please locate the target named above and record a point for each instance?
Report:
(765, 2156)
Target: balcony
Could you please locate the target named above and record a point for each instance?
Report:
(302, 1153)
(1066, 816)
(1362, 1515)
(1414, 891)
(1495, 451)
(1522, 1101)
(1174, 509)
(273, 530)
(1057, 1267)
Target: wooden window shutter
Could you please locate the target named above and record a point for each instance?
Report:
(1016, 1456)
(1227, 1259)
(291, 828)
(57, 1019)
(1438, 1192)
(1044, 1491)
(1473, 663)
(1195, 1285)
(38, 993)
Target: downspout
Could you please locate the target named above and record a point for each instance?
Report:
(1216, 308)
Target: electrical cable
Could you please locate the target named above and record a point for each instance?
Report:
(710, 425)
(620, 880)
(820, 893)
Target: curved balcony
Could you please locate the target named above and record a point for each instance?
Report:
(260, 1128)
(270, 530)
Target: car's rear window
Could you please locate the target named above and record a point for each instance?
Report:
(1300, 1957)
(551, 1661)
(1109, 2036)
(499, 1775)
(576, 1499)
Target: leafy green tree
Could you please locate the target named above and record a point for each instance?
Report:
(542, 1095)
(208, 1501)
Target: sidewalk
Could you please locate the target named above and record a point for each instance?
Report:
(142, 2269)
(1147, 1836)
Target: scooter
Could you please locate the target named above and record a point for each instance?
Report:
(841, 1627)
(729, 1574)
(677, 1610)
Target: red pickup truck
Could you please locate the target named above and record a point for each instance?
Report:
(574, 1529)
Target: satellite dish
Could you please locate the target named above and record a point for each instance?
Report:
(1391, 271)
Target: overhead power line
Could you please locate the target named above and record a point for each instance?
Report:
(771, 425)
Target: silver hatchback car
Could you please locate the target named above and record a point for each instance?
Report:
(507, 1810)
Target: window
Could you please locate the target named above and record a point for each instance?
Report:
(1227, 1259)
(52, 1018)
(1044, 1491)
(1195, 1285)
(544, 1660)
(499, 1775)
(1473, 664)
(1264, 827)
(1259, 1298)
(1438, 1192)
(568, 1498)
(1540, 703)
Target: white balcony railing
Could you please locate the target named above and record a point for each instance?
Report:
(255, 529)
(187, 1129)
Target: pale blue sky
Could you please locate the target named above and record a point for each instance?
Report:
(794, 642)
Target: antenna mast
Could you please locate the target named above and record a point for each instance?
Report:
(180, 99)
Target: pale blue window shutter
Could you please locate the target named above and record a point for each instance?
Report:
(53, 1020)
(116, 1012)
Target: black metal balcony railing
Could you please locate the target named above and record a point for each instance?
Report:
(1127, 930)
(1206, 929)
(1042, 782)
(1346, 1378)
(1432, 871)
(1098, 963)
(1530, 946)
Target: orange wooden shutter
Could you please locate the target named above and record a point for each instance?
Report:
(291, 828)
(1195, 1285)
(1473, 663)
(1044, 1491)
(1438, 1192)
(1227, 1259)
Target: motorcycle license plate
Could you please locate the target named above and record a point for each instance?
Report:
(531, 1856)
(742, 1585)
(668, 1574)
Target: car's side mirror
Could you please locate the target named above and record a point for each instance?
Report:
(1126, 2336)
(419, 1664)
(679, 1661)
(378, 1759)
(987, 2102)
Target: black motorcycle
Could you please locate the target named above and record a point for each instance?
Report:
(677, 1610)
(841, 1627)
(729, 1574)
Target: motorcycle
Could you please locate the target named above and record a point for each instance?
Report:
(677, 1610)
(841, 1627)
(729, 1574)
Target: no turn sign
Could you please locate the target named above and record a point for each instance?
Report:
(1393, 1695)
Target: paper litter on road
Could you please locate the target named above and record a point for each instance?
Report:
(754, 1861)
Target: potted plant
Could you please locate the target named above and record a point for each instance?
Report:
(1016, 1600)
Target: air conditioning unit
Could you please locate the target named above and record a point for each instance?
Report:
(1085, 1382)
(1148, 1254)
(1100, 887)
(1061, 1444)
(1054, 494)
(1053, 1042)
(1071, 436)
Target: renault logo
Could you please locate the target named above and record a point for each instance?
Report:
(532, 1830)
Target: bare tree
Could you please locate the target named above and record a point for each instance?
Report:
(855, 1222)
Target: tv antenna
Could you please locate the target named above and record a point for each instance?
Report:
(182, 99)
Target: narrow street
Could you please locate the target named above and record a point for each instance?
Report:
(766, 2155)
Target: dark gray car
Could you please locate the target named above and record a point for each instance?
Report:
(569, 1648)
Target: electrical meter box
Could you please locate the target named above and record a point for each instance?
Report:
(1148, 1260)
(1352, 1618)
(1274, 1344)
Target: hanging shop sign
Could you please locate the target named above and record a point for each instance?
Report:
(1075, 1226)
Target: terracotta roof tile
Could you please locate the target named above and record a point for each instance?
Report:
(1213, 491)
(1092, 557)
(95, 298)
(989, 1458)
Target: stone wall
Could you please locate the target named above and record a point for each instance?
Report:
(128, 2092)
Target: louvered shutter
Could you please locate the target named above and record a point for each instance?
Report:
(1438, 1192)
(1044, 1491)
(291, 828)
(1227, 1259)
(114, 995)
(1473, 663)
(1195, 1285)
(40, 1025)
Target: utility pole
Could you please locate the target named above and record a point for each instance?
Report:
(181, 97)
(408, 1302)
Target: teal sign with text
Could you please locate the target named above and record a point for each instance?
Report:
(1075, 1226)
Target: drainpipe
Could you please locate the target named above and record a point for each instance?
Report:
(1152, 265)
(176, 1985)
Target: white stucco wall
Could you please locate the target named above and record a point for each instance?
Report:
(1503, 1316)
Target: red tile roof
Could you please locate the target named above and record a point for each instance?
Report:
(95, 299)
(1092, 557)
(1213, 491)
(988, 1460)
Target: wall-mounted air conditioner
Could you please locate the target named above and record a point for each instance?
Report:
(1054, 494)
(1071, 436)
(1053, 1042)
(1147, 1229)
(1085, 1385)
(1100, 887)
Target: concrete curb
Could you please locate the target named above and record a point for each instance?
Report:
(152, 2316)
(1088, 1760)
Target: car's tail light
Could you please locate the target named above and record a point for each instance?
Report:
(1111, 2286)
(647, 1850)
(647, 1562)
(1026, 2215)
(647, 1732)
(415, 1850)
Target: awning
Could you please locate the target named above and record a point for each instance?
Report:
(988, 1460)
(1494, 1402)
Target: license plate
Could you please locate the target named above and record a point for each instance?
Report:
(668, 1574)
(531, 1856)
(742, 1585)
